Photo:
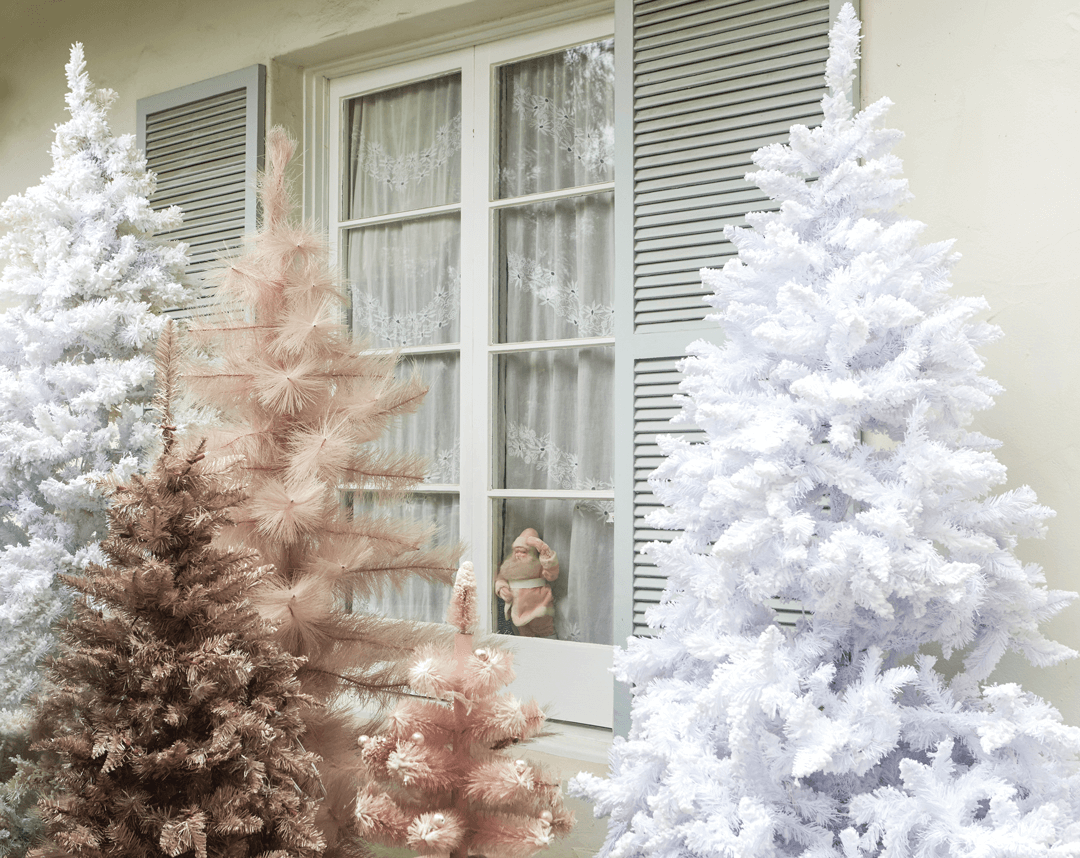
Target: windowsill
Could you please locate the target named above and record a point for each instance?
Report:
(571, 742)
(574, 742)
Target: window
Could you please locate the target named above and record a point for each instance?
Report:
(473, 221)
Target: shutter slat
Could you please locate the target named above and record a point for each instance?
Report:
(725, 209)
(782, 55)
(688, 205)
(227, 131)
(195, 126)
(739, 111)
(702, 12)
(198, 150)
(725, 25)
(690, 149)
(744, 127)
(162, 118)
(805, 75)
(167, 124)
(212, 159)
(720, 169)
(690, 257)
(742, 40)
(657, 283)
(645, 9)
(230, 170)
(192, 196)
(778, 49)
(656, 382)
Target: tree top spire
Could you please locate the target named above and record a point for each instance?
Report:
(843, 62)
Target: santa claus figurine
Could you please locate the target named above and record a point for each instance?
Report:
(523, 584)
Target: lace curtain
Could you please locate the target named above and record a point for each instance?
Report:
(405, 284)
(556, 430)
(553, 282)
(404, 148)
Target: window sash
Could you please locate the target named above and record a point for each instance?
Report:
(573, 676)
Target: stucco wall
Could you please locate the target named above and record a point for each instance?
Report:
(988, 95)
(141, 49)
(986, 91)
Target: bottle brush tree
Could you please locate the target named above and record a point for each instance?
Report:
(84, 283)
(301, 405)
(174, 717)
(840, 470)
(444, 776)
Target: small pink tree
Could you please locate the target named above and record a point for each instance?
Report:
(441, 779)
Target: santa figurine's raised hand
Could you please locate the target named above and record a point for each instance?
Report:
(524, 584)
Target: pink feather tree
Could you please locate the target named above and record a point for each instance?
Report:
(442, 778)
(302, 405)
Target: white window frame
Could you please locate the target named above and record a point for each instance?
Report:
(572, 678)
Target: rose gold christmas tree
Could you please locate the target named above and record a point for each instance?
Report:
(443, 781)
(172, 725)
(302, 404)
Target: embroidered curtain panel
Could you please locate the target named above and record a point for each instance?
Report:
(553, 282)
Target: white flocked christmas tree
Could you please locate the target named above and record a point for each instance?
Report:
(83, 286)
(840, 471)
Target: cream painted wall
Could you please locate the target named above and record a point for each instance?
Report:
(141, 49)
(988, 95)
(987, 91)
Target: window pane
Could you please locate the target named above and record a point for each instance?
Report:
(556, 121)
(404, 148)
(554, 419)
(405, 281)
(417, 599)
(555, 268)
(433, 430)
(582, 537)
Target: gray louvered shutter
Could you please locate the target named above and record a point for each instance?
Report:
(655, 382)
(704, 85)
(205, 144)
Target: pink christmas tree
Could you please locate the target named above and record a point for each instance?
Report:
(302, 405)
(442, 778)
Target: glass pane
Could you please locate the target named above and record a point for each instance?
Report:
(578, 600)
(555, 266)
(556, 120)
(554, 419)
(433, 429)
(404, 148)
(404, 281)
(417, 599)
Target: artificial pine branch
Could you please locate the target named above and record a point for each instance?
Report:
(441, 782)
(174, 727)
(302, 405)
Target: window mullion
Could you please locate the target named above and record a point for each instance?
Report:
(560, 194)
(394, 217)
(548, 345)
(475, 313)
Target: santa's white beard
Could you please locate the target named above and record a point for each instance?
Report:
(514, 569)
